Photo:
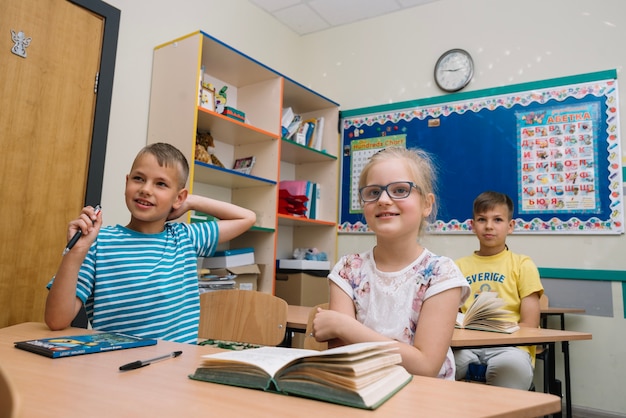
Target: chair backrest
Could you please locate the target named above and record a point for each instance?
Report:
(309, 341)
(9, 401)
(246, 316)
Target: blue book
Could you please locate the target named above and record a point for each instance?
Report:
(66, 346)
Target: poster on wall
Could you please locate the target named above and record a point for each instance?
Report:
(553, 146)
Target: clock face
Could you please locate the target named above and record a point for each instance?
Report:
(454, 70)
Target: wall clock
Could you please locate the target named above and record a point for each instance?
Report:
(454, 70)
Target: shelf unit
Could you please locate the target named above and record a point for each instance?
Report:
(175, 117)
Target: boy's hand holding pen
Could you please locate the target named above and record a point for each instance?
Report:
(79, 233)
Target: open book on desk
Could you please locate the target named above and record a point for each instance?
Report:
(486, 314)
(362, 375)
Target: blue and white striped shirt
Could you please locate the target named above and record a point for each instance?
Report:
(146, 284)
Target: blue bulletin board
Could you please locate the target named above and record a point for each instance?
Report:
(552, 145)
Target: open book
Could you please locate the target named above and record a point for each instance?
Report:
(362, 375)
(485, 314)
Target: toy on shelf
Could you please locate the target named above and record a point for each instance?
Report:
(220, 100)
(205, 148)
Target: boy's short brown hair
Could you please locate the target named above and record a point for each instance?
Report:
(488, 200)
(168, 155)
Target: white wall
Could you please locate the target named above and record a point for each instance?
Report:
(390, 59)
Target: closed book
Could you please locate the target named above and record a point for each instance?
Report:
(66, 346)
(297, 264)
(230, 258)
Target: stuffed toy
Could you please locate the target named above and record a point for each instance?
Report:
(205, 148)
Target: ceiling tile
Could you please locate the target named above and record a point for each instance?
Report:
(301, 19)
(346, 11)
(273, 5)
(308, 16)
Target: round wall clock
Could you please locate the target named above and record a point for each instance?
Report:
(454, 70)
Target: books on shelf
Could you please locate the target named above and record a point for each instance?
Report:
(215, 280)
(74, 345)
(240, 277)
(485, 314)
(319, 133)
(362, 375)
(230, 258)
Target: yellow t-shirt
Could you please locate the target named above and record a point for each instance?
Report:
(511, 276)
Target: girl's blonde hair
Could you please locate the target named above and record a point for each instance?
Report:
(421, 166)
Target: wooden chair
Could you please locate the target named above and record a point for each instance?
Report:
(309, 340)
(245, 316)
(9, 401)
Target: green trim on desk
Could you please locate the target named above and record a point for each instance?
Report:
(579, 274)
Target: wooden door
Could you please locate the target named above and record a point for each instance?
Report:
(47, 104)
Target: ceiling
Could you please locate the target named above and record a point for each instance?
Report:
(308, 16)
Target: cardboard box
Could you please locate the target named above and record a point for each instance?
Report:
(247, 276)
(292, 264)
(302, 289)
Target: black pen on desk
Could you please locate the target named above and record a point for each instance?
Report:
(141, 363)
(78, 234)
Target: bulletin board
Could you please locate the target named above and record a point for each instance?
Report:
(553, 146)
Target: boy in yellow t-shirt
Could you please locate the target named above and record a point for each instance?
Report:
(516, 280)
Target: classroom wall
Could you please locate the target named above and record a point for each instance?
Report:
(390, 59)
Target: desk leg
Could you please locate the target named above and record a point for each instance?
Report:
(288, 340)
(568, 390)
(554, 386)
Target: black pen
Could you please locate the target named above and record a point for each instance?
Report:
(141, 363)
(78, 234)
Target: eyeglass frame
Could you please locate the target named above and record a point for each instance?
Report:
(385, 189)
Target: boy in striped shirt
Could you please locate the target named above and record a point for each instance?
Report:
(141, 278)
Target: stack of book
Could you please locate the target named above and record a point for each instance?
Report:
(208, 280)
(298, 198)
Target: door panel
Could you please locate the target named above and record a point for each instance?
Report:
(46, 116)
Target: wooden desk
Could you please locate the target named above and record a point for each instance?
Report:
(560, 312)
(464, 338)
(91, 385)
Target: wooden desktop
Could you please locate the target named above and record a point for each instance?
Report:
(297, 317)
(92, 385)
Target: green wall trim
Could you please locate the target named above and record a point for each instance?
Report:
(576, 274)
(624, 298)
(553, 82)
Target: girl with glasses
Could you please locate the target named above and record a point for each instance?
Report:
(398, 290)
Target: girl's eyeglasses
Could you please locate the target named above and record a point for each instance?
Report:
(395, 190)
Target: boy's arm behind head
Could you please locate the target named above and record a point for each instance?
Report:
(233, 220)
